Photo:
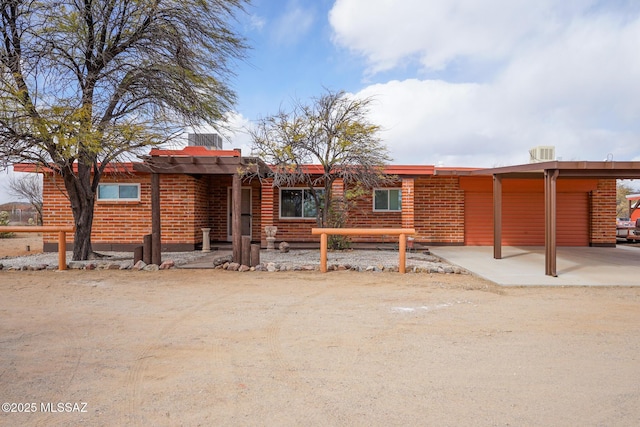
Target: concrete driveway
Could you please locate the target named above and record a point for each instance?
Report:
(524, 266)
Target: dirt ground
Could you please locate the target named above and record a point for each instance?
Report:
(211, 347)
(21, 244)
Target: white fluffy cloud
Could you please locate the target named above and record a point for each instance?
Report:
(554, 73)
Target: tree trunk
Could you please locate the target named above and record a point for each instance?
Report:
(82, 200)
(82, 248)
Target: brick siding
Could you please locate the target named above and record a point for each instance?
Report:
(439, 210)
(433, 205)
(603, 214)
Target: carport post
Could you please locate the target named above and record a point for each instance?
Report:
(497, 216)
(550, 178)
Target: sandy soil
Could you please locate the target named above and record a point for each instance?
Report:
(17, 245)
(205, 347)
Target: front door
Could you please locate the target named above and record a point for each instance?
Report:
(245, 209)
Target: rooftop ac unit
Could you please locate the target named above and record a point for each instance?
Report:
(542, 153)
(209, 140)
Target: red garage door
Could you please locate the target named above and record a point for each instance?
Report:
(523, 219)
(478, 219)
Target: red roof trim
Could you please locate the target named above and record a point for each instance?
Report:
(409, 170)
(389, 169)
(28, 168)
(126, 167)
(195, 150)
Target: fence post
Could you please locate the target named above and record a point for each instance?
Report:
(323, 252)
(246, 250)
(255, 255)
(62, 250)
(146, 249)
(402, 248)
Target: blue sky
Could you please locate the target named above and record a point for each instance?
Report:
(455, 82)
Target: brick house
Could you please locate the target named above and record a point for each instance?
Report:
(446, 206)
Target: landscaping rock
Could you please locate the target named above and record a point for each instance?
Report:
(151, 267)
(233, 266)
(222, 260)
(139, 265)
(244, 268)
(284, 247)
(167, 264)
(75, 265)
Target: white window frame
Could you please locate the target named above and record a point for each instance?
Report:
(388, 199)
(303, 189)
(118, 199)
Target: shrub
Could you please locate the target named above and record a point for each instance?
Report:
(4, 220)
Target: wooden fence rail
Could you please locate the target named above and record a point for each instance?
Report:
(62, 237)
(402, 234)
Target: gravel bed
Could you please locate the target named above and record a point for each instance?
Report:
(49, 260)
(359, 260)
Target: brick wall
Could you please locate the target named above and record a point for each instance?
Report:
(183, 207)
(433, 205)
(408, 202)
(56, 210)
(256, 210)
(361, 215)
(292, 230)
(267, 208)
(439, 210)
(218, 207)
(603, 214)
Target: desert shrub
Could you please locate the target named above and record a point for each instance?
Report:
(339, 216)
(4, 220)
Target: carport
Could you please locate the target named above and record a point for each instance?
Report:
(521, 265)
(550, 172)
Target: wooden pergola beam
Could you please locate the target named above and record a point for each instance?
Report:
(196, 166)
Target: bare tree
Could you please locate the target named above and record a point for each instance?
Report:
(84, 83)
(29, 188)
(622, 207)
(333, 131)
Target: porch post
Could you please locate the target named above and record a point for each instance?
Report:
(156, 234)
(497, 216)
(236, 219)
(550, 178)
